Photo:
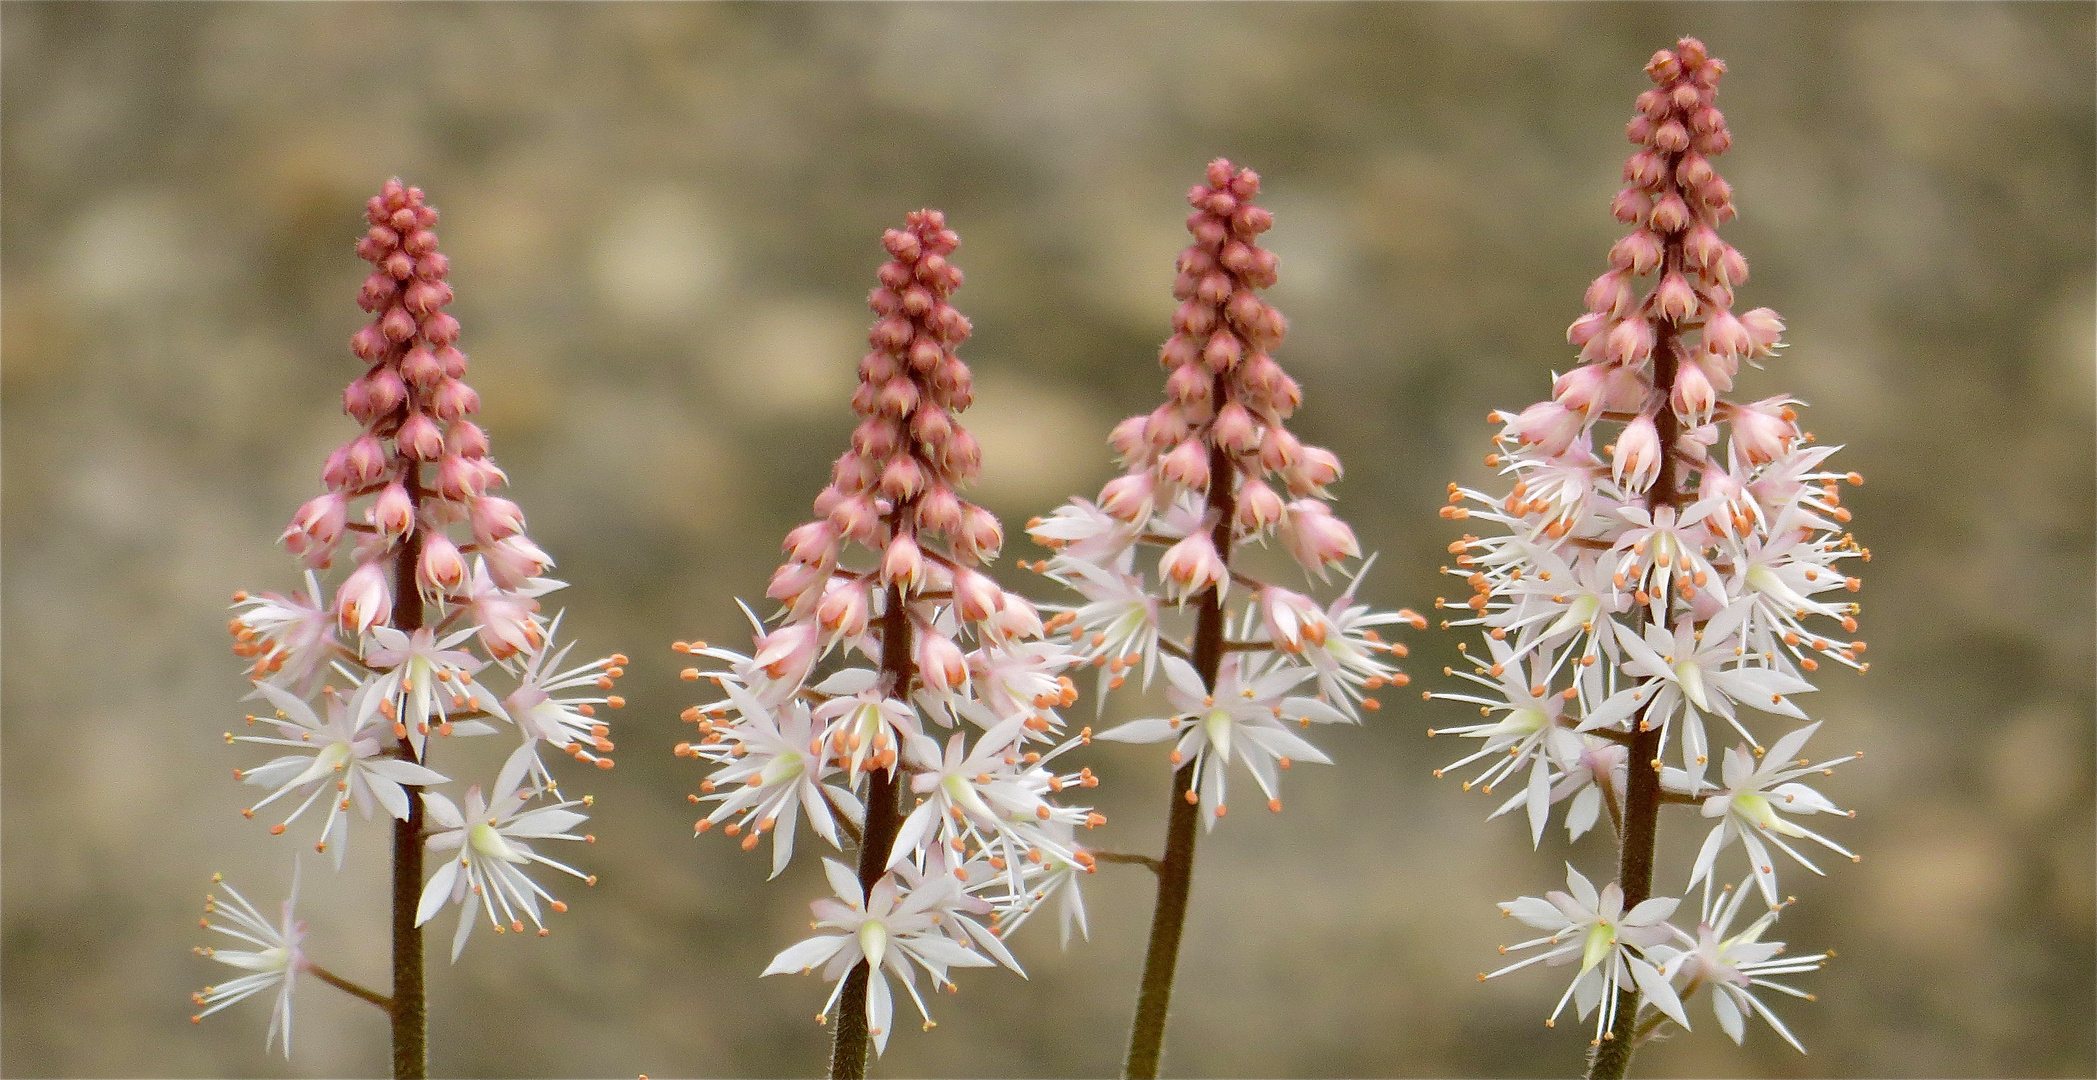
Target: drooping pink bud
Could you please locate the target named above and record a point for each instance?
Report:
(940, 663)
(514, 561)
(1637, 461)
(981, 536)
(1127, 438)
(1258, 506)
(316, 528)
(1581, 388)
(1128, 497)
(855, 517)
(1187, 464)
(793, 579)
(454, 400)
(494, 518)
(440, 571)
(393, 513)
(419, 438)
(1631, 342)
(1693, 397)
(1674, 300)
(902, 562)
(1763, 430)
(1315, 469)
(363, 462)
(1315, 537)
(1235, 429)
(1280, 449)
(843, 610)
(1292, 619)
(466, 439)
(1192, 565)
(363, 598)
(1765, 330)
(421, 368)
(787, 653)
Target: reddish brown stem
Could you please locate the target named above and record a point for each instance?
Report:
(883, 818)
(1176, 869)
(410, 1006)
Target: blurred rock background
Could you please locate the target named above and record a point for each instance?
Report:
(663, 220)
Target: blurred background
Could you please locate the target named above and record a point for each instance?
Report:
(663, 220)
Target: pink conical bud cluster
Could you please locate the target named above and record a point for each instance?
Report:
(414, 404)
(894, 491)
(1675, 201)
(1227, 402)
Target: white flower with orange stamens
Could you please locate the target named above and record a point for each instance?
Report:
(485, 853)
(338, 758)
(273, 964)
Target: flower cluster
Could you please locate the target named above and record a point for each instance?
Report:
(357, 684)
(921, 639)
(1201, 480)
(1640, 600)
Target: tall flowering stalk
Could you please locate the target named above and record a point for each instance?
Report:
(356, 686)
(1198, 486)
(1642, 600)
(960, 835)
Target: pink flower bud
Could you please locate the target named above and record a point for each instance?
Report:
(377, 291)
(1166, 426)
(419, 438)
(1764, 330)
(1670, 214)
(1610, 294)
(514, 561)
(393, 513)
(316, 528)
(1674, 299)
(1725, 335)
(814, 542)
(976, 597)
(363, 462)
(1292, 619)
(370, 344)
(1693, 171)
(1313, 471)
(1646, 169)
(1637, 252)
(466, 439)
(1581, 388)
(424, 297)
(1549, 426)
(440, 571)
(856, 518)
(902, 562)
(1258, 506)
(382, 391)
(1631, 342)
(397, 324)
(1702, 247)
(902, 478)
(454, 399)
(1187, 464)
(1223, 351)
(1280, 449)
(1127, 437)
(1194, 319)
(1014, 618)
(1637, 461)
(1587, 328)
(792, 579)
(787, 653)
(1732, 268)
(981, 536)
(1236, 430)
(421, 368)
(897, 397)
(1693, 397)
(440, 328)
(459, 479)
(1630, 205)
(1763, 431)
(494, 518)
(939, 511)
(1315, 537)
(363, 598)
(1192, 565)
(1128, 497)
(1670, 136)
(1191, 383)
(843, 610)
(940, 663)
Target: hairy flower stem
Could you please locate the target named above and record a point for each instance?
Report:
(349, 987)
(883, 818)
(1642, 795)
(410, 1004)
(1176, 870)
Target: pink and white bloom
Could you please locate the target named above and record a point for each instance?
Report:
(1609, 942)
(1732, 965)
(1748, 806)
(889, 929)
(338, 758)
(273, 964)
(485, 853)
